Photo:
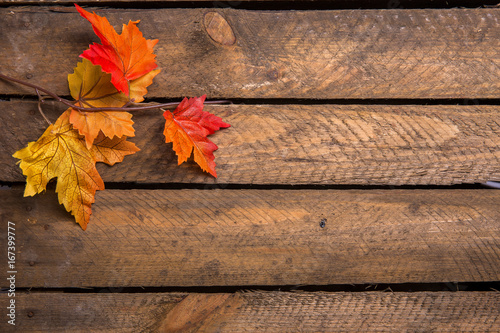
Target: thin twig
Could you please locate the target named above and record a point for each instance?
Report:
(40, 101)
(93, 109)
(34, 86)
(43, 114)
(129, 103)
(40, 98)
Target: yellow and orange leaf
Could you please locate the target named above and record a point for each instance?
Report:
(187, 128)
(126, 57)
(91, 87)
(138, 86)
(60, 153)
(111, 151)
(111, 123)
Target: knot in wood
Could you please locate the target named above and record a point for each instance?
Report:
(219, 29)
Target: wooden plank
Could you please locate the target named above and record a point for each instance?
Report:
(259, 312)
(299, 144)
(453, 53)
(114, 2)
(100, 312)
(256, 237)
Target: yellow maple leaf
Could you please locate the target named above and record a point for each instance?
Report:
(91, 87)
(61, 153)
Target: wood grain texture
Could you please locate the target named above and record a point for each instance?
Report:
(452, 53)
(99, 312)
(259, 312)
(256, 237)
(298, 144)
(114, 2)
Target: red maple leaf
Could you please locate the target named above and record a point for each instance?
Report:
(126, 57)
(187, 128)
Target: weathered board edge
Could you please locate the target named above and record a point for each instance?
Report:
(256, 237)
(355, 54)
(257, 311)
(299, 144)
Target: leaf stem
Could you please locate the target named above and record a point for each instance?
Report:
(41, 100)
(34, 86)
(93, 109)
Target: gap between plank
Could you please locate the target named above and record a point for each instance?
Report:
(293, 101)
(401, 287)
(198, 186)
(61, 6)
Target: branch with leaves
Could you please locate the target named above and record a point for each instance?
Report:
(109, 83)
(73, 105)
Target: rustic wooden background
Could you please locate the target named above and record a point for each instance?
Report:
(349, 195)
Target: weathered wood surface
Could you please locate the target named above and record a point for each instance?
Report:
(259, 312)
(452, 53)
(256, 237)
(223, 3)
(299, 144)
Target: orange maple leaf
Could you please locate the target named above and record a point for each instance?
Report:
(126, 57)
(111, 151)
(61, 153)
(187, 128)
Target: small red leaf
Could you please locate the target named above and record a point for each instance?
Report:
(187, 128)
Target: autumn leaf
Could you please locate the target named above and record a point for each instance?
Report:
(61, 153)
(126, 57)
(138, 86)
(111, 151)
(91, 87)
(187, 128)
